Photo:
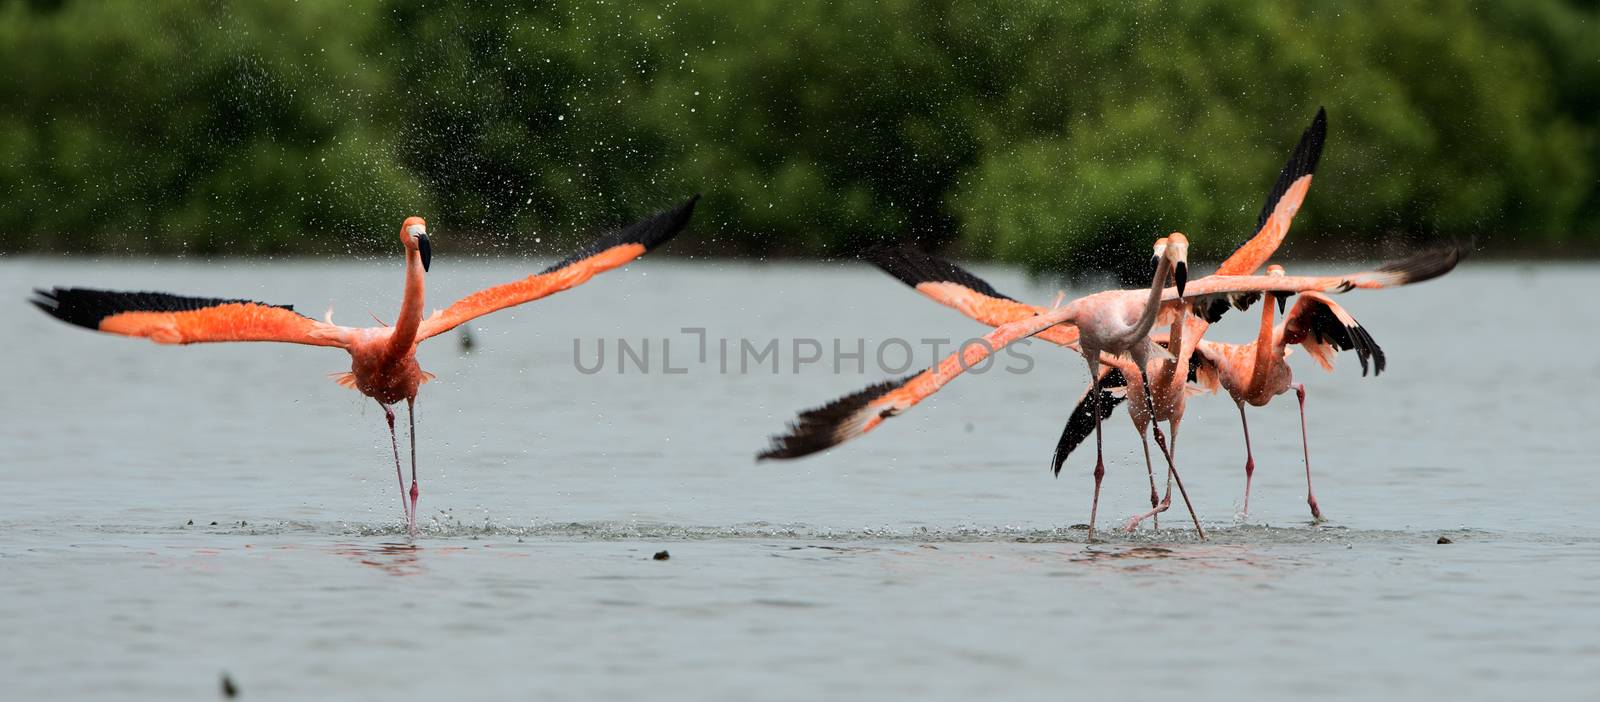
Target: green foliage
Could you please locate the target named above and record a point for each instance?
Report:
(1058, 135)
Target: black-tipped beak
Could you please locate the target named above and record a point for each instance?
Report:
(426, 249)
(1282, 300)
(1182, 274)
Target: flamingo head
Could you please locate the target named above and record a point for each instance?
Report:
(1177, 251)
(1159, 250)
(414, 235)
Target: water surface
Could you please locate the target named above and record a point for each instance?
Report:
(935, 558)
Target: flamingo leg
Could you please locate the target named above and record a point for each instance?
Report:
(411, 419)
(388, 414)
(1151, 472)
(1311, 497)
(1161, 442)
(1249, 459)
(1099, 453)
(1157, 507)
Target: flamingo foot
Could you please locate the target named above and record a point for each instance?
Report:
(1157, 509)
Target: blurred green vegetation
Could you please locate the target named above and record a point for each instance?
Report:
(1039, 132)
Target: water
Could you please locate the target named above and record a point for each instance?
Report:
(934, 559)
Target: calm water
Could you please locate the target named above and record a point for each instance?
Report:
(934, 559)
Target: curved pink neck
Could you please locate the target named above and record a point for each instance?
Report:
(1157, 286)
(1265, 348)
(405, 327)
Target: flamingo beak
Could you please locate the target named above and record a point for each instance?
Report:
(1181, 272)
(1282, 300)
(424, 248)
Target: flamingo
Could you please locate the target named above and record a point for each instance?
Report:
(383, 362)
(860, 412)
(950, 285)
(1114, 321)
(1257, 372)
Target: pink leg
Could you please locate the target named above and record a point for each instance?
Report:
(1172, 470)
(388, 414)
(1311, 497)
(1249, 459)
(1099, 456)
(1155, 500)
(1160, 507)
(411, 418)
(1157, 507)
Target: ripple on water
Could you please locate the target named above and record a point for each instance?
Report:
(1145, 540)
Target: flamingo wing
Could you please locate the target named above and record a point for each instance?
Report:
(1204, 369)
(1080, 424)
(1321, 326)
(608, 252)
(1426, 265)
(1272, 225)
(862, 411)
(955, 287)
(174, 319)
(1283, 201)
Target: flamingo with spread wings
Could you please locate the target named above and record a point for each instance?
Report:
(1117, 322)
(1258, 371)
(950, 285)
(383, 362)
(858, 413)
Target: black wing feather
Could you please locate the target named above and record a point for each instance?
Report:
(913, 267)
(826, 426)
(651, 232)
(1302, 162)
(1081, 424)
(1324, 327)
(86, 307)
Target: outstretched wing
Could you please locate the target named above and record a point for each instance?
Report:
(955, 287)
(173, 319)
(1322, 327)
(1426, 265)
(862, 411)
(1287, 194)
(608, 252)
(1272, 225)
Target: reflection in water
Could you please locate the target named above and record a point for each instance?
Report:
(394, 559)
(1188, 558)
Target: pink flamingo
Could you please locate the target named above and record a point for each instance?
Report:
(950, 285)
(383, 362)
(1115, 321)
(1256, 372)
(860, 412)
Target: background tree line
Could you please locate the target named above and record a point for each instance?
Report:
(1030, 131)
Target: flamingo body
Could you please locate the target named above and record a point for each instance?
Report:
(383, 361)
